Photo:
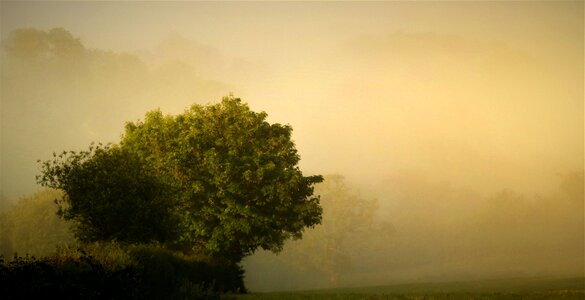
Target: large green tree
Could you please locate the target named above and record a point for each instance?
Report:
(228, 180)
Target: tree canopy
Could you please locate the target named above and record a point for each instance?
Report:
(217, 179)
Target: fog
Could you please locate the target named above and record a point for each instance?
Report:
(464, 121)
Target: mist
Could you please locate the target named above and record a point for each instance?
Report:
(463, 122)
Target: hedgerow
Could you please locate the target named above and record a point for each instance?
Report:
(115, 272)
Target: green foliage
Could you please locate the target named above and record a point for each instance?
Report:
(217, 179)
(31, 226)
(240, 187)
(110, 194)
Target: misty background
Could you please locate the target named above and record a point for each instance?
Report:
(455, 129)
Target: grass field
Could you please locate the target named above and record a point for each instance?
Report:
(525, 288)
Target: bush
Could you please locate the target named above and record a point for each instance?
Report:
(118, 272)
(82, 278)
(162, 270)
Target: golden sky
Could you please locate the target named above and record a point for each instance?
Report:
(486, 95)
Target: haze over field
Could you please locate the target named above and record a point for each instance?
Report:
(463, 119)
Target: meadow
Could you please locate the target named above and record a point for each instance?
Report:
(519, 288)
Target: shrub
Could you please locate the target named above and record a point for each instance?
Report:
(113, 271)
(81, 278)
(162, 270)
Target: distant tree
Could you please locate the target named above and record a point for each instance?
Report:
(221, 175)
(63, 44)
(4, 202)
(31, 226)
(5, 229)
(348, 228)
(30, 43)
(573, 185)
(26, 43)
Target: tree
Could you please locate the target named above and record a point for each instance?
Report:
(31, 43)
(228, 180)
(6, 248)
(30, 226)
(349, 229)
(111, 195)
(239, 184)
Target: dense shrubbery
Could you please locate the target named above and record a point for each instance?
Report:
(115, 272)
(81, 278)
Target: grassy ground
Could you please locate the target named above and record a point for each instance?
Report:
(529, 289)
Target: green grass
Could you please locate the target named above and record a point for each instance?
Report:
(519, 288)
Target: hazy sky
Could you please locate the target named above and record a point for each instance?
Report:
(485, 95)
(258, 28)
